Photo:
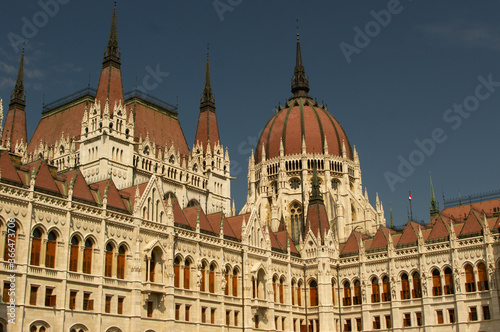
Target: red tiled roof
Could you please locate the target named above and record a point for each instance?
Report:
(113, 199)
(15, 127)
(380, 240)
(207, 129)
(162, 128)
(318, 219)
(110, 87)
(295, 121)
(472, 224)
(191, 214)
(461, 212)
(7, 169)
(352, 244)
(410, 233)
(439, 230)
(236, 223)
(44, 179)
(130, 192)
(214, 220)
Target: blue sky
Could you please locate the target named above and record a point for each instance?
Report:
(405, 82)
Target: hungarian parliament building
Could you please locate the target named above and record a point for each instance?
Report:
(111, 222)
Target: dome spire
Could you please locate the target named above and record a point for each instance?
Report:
(112, 54)
(300, 83)
(18, 96)
(207, 98)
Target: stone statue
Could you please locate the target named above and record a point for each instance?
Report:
(424, 284)
(363, 291)
(457, 280)
(393, 288)
(223, 283)
(199, 276)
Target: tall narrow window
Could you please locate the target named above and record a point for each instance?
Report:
(203, 314)
(436, 283)
(88, 304)
(177, 311)
(296, 221)
(50, 252)
(203, 276)
(275, 290)
(333, 292)
(187, 273)
(405, 287)
(177, 272)
(50, 298)
(33, 294)
(417, 286)
(386, 289)
(469, 279)
(235, 282)
(299, 294)
(120, 305)
(120, 263)
(72, 300)
(107, 306)
(388, 321)
(472, 313)
(357, 292)
(108, 266)
(211, 279)
(293, 292)
(150, 309)
(212, 316)
(376, 323)
(486, 312)
(6, 290)
(347, 294)
(187, 309)
(439, 314)
(448, 282)
(87, 256)
(375, 292)
(313, 293)
(152, 268)
(482, 283)
(73, 257)
(282, 282)
(35, 247)
(418, 315)
(451, 313)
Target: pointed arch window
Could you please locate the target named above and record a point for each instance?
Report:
(405, 287)
(187, 273)
(108, 266)
(235, 282)
(299, 294)
(482, 282)
(357, 293)
(313, 293)
(282, 282)
(120, 263)
(275, 290)
(448, 282)
(50, 252)
(152, 267)
(73, 257)
(293, 292)
(203, 277)
(375, 290)
(87, 256)
(36, 245)
(470, 285)
(437, 290)
(177, 272)
(386, 289)
(417, 286)
(296, 216)
(211, 279)
(347, 293)
(333, 292)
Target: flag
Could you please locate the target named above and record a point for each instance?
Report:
(410, 197)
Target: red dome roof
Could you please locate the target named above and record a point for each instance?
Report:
(302, 117)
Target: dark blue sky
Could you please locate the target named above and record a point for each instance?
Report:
(401, 84)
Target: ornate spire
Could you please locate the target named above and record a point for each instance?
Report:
(18, 96)
(112, 54)
(316, 197)
(207, 98)
(300, 83)
(434, 207)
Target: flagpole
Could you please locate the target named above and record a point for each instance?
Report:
(411, 211)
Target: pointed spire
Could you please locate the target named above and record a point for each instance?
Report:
(434, 207)
(300, 83)
(18, 96)
(207, 98)
(316, 197)
(112, 54)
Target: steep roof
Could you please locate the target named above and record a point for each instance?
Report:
(7, 169)
(472, 224)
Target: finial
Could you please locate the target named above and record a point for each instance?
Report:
(434, 207)
(18, 97)
(207, 97)
(300, 83)
(112, 54)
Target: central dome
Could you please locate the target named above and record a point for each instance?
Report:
(301, 118)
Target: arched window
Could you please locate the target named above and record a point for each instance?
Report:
(299, 294)
(211, 279)
(448, 282)
(177, 272)
(108, 266)
(296, 221)
(282, 283)
(275, 290)
(254, 288)
(405, 287)
(152, 267)
(437, 290)
(347, 293)
(375, 290)
(293, 292)
(469, 279)
(313, 293)
(187, 273)
(417, 286)
(386, 289)
(203, 276)
(482, 283)
(120, 266)
(333, 292)
(35, 247)
(50, 252)
(87, 256)
(235, 282)
(73, 257)
(357, 293)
